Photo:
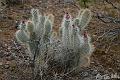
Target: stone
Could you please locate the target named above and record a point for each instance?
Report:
(69, 1)
(6, 66)
(1, 63)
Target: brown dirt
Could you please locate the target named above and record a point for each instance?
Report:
(102, 61)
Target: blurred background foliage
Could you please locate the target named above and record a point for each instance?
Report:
(84, 3)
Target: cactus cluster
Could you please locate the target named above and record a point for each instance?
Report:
(35, 32)
(75, 37)
(75, 45)
(71, 28)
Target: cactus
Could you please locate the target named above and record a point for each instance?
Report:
(36, 34)
(66, 29)
(30, 27)
(84, 18)
(21, 35)
(47, 32)
(73, 37)
(35, 31)
(76, 39)
(87, 43)
(74, 47)
(87, 47)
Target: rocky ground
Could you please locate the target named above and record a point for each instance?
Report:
(14, 62)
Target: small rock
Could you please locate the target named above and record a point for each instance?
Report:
(0, 30)
(1, 54)
(94, 72)
(92, 62)
(10, 58)
(6, 54)
(1, 63)
(13, 54)
(9, 48)
(6, 66)
(85, 74)
(69, 1)
(5, 44)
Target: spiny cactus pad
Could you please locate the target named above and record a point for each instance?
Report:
(22, 36)
(85, 18)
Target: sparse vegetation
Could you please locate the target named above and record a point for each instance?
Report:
(46, 43)
(74, 49)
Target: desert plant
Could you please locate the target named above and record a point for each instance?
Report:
(36, 33)
(72, 48)
(75, 38)
(66, 30)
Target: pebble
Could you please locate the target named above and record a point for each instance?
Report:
(85, 74)
(9, 48)
(94, 72)
(0, 30)
(69, 1)
(6, 54)
(10, 58)
(1, 54)
(6, 66)
(5, 44)
(1, 63)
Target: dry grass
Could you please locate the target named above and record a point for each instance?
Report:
(104, 60)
